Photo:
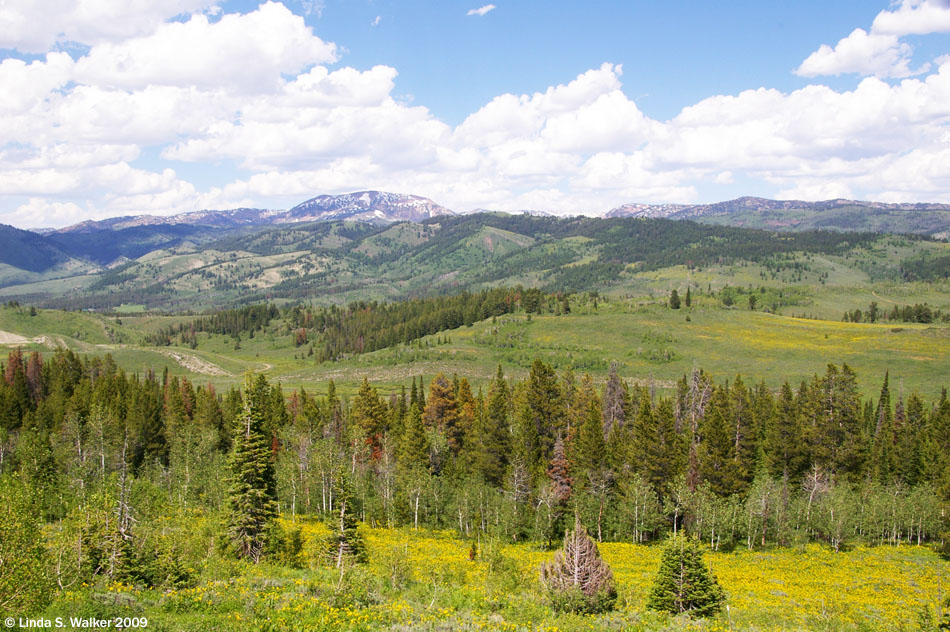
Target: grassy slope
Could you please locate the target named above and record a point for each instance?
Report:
(646, 339)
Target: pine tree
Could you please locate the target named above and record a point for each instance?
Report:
(674, 300)
(345, 542)
(442, 412)
(492, 438)
(413, 451)
(253, 492)
(717, 464)
(689, 298)
(560, 489)
(784, 450)
(589, 450)
(683, 582)
(578, 579)
(369, 415)
(615, 401)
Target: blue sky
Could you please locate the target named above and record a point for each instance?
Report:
(175, 105)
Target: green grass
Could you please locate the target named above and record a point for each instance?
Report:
(649, 342)
(423, 581)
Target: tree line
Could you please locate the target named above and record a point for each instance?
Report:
(116, 465)
(362, 326)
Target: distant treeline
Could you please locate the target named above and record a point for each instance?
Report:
(229, 322)
(362, 326)
(926, 268)
(917, 313)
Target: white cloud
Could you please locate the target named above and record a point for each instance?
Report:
(918, 17)
(34, 27)
(77, 134)
(39, 213)
(481, 10)
(881, 55)
(245, 53)
(880, 52)
(376, 20)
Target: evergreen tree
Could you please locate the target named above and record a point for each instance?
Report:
(744, 434)
(544, 406)
(674, 300)
(689, 298)
(590, 450)
(253, 492)
(717, 464)
(615, 402)
(683, 582)
(368, 413)
(784, 450)
(492, 438)
(578, 579)
(669, 451)
(413, 449)
(442, 412)
(345, 542)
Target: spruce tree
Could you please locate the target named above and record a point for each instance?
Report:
(784, 450)
(253, 492)
(683, 582)
(561, 487)
(442, 412)
(674, 300)
(413, 451)
(589, 453)
(578, 579)
(717, 464)
(369, 415)
(345, 542)
(543, 398)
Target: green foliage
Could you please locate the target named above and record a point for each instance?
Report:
(285, 545)
(25, 584)
(253, 493)
(674, 300)
(345, 543)
(683, 583)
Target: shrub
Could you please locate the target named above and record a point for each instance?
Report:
(579, 580)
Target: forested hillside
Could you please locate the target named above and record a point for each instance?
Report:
(104, 461)
(177, 268)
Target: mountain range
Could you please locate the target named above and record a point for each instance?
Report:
(381, 207)
(90, 253)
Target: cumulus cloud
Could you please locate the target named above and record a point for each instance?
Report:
(34, 27)
(879, 52)
(258, 90)
(248, 53)
(918, 17)
(481, 10)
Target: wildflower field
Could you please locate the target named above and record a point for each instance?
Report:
(424, 580)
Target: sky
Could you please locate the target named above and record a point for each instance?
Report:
(126, 107)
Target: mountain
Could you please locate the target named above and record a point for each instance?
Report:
(117, 239)
(366, 206)
(839, 214)
(29, 251)
(220, 219)
(636, 209)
